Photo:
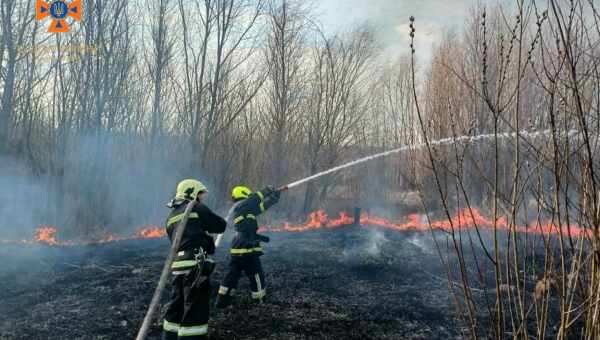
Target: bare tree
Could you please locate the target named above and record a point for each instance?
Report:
(284, 55)
(228, 94)
(15, 19)
(335, 105)
(158, 63)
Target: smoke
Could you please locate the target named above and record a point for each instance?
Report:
(369, 247)
(375, 241)
(422, 242)
(99, 183)
(25, 199)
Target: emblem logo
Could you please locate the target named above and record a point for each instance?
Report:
(58, 11)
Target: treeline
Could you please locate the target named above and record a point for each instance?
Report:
(99, 124)
(141, 94)
(229, 91)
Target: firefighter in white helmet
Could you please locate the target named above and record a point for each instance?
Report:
(188, 309)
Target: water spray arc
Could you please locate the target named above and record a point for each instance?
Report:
(445, 141)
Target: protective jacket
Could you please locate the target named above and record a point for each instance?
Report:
(247, 240)
(200, 222)
(245, 247)
(187, 312)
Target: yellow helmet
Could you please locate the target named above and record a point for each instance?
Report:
(188, 189)
(240, 192)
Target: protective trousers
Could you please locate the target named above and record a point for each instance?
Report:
(251, 266)
(188, 309)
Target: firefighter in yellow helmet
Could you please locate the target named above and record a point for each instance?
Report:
(245, 248)
(188, 309)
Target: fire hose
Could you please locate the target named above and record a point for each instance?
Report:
(143, 332)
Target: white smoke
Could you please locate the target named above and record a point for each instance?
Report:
(375, 242)
(26, 200)
(370, 248)
(420, 242)
(110, 182)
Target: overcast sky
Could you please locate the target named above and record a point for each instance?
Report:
(391, 18)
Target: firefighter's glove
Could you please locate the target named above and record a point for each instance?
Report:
(268, 190)
(271, 196)
(275, 195)
(263, 238)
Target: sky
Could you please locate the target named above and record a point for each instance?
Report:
(391, 18)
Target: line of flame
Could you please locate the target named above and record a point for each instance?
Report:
(463, 220)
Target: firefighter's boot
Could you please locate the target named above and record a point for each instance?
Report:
(224, 297)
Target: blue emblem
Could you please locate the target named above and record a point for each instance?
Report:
(58, 9)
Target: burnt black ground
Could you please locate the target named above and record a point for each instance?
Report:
(343, 284)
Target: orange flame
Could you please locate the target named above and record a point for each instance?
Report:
(463, 220)
(316, 220)
(151, 232)
(46, 235)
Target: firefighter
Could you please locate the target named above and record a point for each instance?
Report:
(187, 312)
(245, 249)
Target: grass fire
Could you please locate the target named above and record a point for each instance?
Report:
(284, 169)
(317, 220)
